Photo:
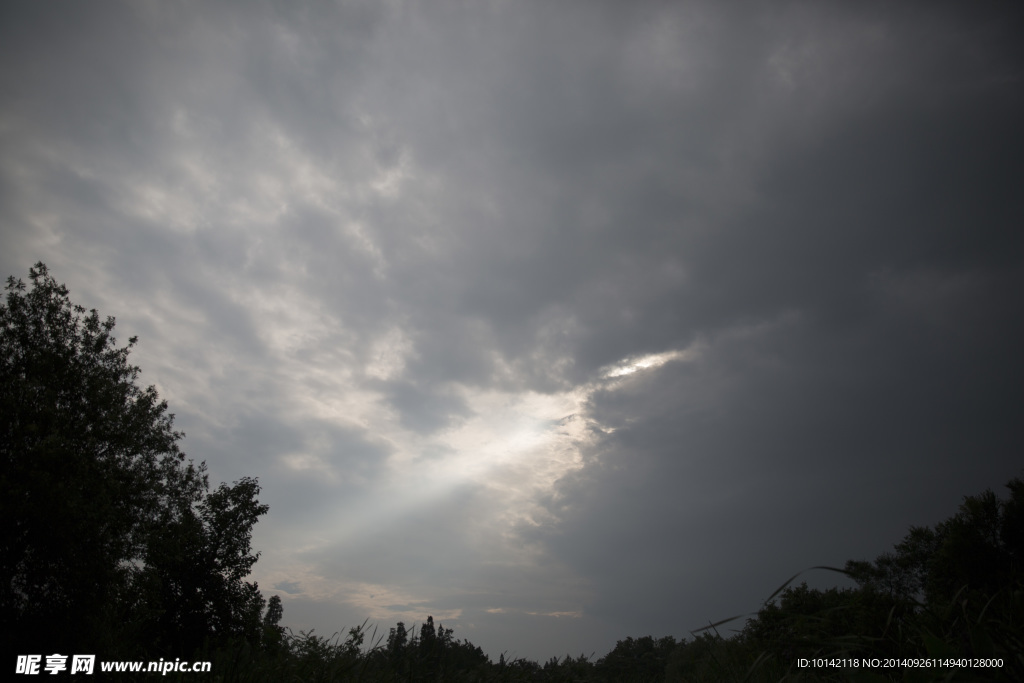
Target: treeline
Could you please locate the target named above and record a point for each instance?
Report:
(949, 592)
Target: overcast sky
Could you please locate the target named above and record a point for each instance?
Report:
(559, 321)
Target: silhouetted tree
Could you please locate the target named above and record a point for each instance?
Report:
(964, 578)
(954, 590)
(639, 659)
(109, 536)
(980, 548)
(195, 570)
(273, 632)
(397, 639)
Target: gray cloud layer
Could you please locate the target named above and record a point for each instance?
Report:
(378, 253)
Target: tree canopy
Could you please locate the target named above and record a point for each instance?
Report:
(111, 539)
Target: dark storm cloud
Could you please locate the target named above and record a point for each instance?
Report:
(774, 452)
(860, 320)
(347, 232)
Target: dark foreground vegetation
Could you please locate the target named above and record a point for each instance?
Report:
(113, 543)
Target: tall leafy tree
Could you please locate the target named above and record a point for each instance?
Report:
(979, 550)
(195, 569)
(109, 532)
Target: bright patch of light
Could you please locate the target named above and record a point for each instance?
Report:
(508, 454)
(516, 446)
(631, 365)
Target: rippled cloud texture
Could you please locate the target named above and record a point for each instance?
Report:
(558, 321)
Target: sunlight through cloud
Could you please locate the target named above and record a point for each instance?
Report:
(654, 360)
